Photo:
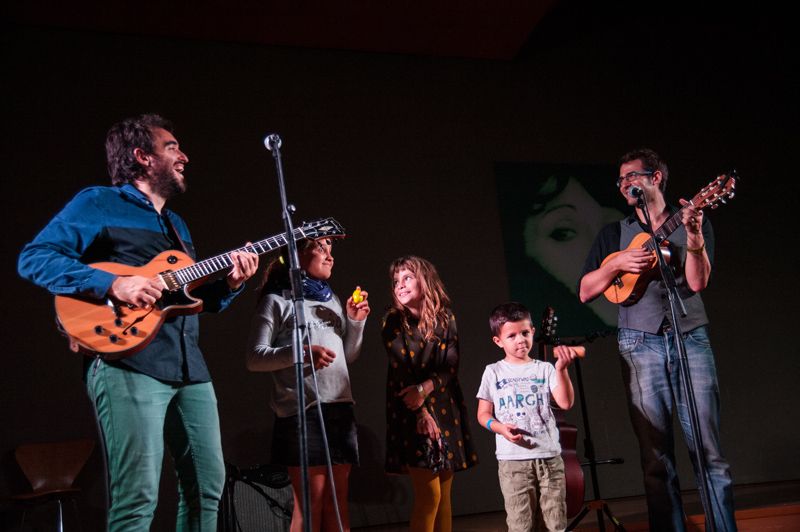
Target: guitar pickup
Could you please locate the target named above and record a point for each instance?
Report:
(169, 280)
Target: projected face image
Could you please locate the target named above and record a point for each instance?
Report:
(560, 231)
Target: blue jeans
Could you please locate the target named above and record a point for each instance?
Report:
(651, 372)
(137, 415)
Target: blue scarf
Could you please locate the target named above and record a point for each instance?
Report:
(316, 289)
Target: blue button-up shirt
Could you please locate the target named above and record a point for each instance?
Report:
(119, 224)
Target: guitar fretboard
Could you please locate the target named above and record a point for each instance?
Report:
(221, 262)
(709, 196)
(666, 229)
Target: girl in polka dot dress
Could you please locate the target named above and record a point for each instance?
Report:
(427, 434)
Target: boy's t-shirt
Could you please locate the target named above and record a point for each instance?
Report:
(521, 396)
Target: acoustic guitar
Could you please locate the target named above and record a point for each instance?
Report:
(568, 433)
(627, 288)
(114, 330)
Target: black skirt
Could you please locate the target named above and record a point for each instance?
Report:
(340, 427)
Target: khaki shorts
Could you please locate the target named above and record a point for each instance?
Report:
(535, 494)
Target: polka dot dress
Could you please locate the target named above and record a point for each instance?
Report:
(412, 361)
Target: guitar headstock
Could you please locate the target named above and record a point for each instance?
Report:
(547, 330)
(716, 192)
(324, 227)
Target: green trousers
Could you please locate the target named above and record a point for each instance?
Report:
(138, 415)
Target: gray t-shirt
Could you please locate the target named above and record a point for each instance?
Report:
(270, 349)
(521, 396)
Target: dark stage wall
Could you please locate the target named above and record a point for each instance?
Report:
(401, 150)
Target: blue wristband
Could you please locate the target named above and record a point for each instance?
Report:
(489, 424)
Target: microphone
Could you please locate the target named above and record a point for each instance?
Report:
(272, 141)
(635, 192)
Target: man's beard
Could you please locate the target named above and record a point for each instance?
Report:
(166, 184)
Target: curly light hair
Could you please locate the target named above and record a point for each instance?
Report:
(435, 311)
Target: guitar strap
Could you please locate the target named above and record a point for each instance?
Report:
(175, 234)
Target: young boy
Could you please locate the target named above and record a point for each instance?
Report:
(514, 403)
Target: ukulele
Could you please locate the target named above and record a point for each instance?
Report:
(568, 433)
(628, 288)
(113, 330)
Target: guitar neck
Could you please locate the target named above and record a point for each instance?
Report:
(711, 195)
(213, 265)
(666, 229)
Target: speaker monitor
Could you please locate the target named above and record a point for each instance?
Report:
(257, 499)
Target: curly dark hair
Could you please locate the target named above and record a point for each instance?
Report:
(276, 274)
(507, 312)
(123, 137)
(651, 162)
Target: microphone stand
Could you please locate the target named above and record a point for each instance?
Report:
(675, 300)
(273, 144)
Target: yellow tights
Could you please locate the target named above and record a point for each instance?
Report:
(432, 511)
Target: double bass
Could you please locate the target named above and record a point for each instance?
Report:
(568, 433)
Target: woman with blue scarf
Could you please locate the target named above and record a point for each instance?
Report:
(335, 337)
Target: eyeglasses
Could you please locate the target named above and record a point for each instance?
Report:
(630, 176)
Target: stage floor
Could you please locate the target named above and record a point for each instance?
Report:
(772, 507)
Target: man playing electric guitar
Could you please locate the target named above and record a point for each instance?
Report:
(163, 392)
(649, 359)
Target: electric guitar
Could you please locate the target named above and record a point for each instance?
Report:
(113, 330)
(568, 433)
(628, 288)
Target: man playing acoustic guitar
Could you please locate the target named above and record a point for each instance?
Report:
(163, 392)
(650, 365)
